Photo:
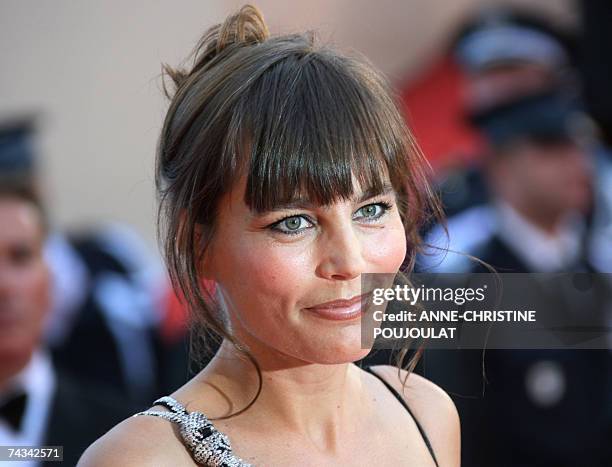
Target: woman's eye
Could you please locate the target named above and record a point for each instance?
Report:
(292, 225)
(372, 211)
(298, 224)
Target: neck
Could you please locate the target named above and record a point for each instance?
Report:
(314, 400)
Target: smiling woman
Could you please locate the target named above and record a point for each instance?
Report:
(284, 274)
(285, 172)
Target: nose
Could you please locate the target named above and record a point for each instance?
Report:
(341, 255)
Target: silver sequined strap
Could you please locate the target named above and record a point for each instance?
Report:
(207, 445)
(173, 417)
(172, 404)
(178, 412)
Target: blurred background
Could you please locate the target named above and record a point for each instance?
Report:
(89, 71)
(509, 100)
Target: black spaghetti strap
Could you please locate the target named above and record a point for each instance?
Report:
(405, 404)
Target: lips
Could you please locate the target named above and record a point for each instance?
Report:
(340, 310)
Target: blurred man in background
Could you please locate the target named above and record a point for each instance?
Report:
(38, 405)
(505, 56)
(539, 407)
(540, 180)
(107, 291)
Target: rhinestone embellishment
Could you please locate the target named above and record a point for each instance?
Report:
(208, 446)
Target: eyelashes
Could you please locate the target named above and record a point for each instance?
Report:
(292, 225)
(297, 224)
(369, 215)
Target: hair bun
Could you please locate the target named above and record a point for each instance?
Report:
(246, 27)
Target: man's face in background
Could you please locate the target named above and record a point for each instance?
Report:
(551, 177)
(24, 284)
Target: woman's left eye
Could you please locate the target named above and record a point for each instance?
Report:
(372, 212)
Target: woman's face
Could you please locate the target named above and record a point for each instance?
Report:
(276, 271)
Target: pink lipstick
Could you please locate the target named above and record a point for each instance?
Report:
(340, 310)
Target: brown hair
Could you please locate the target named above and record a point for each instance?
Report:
(294, 118)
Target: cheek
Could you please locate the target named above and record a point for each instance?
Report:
(36, 290)
(33, 300)
(262, 271)
(43, 285)
(551, 182)
(544, 174)
(279, 271)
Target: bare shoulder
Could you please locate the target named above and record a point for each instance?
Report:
(144, 441)
(433, 408)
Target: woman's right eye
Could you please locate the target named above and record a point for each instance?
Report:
(293, 225)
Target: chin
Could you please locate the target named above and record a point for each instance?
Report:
(328, 345)
(339, 352)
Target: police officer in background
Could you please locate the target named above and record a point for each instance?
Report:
(539, 407)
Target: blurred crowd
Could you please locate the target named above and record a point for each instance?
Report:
(527, 187)
(86, 338)
(516, 118)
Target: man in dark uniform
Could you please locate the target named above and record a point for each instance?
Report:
(540, 407)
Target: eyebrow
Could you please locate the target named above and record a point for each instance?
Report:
(304, 203)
